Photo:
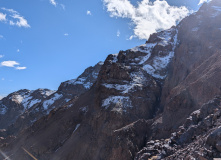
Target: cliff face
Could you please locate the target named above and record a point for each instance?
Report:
(157, 100)
(195, 71)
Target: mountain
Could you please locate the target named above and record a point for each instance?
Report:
(160, 100)
(21, 109)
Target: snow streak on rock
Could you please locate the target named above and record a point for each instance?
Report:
(119, 103)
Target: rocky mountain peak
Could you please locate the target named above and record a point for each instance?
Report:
(83, 82)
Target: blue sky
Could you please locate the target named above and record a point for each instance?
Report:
(46, 42)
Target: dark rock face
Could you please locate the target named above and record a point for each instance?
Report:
(195, 71)
(160, 100)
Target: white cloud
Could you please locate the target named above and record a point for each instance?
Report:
(21, 22)
(89, 13)
(12, 64)
(20, 68)
(66, 34)
(14, 18)
(18, 50)
(203, 1)
(148, 17)
(1, 56)
(2, 17)
(118, 33)
(9, 63)
(53, 2)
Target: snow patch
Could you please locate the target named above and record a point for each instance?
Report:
(77, 126)
(84, 109)
(67, 100)
(114, 60)
(31, 103)
(3, 109)
(146, 48)
(120, 103)
(160, 63)
(81, 81)
(165, 38)
(18, 98)
(136, 83)
(48, 93)
(195, 29)
(51, 101)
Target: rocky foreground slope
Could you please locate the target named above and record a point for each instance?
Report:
(160, 100)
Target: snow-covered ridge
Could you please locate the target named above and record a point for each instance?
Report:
(82, 81)
(146, 48)
(27, 99)
(158, 63)
(87, 78)
(153, 63)
(161, 62)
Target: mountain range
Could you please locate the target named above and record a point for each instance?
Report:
(159, 100)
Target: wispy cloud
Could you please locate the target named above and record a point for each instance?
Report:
(1, 36)
(66, 34)
(118, 33)
(53, 2)
(1, 56)
(21, 68)
(18, 50)
(13, 18)
(2, 17)
(89, 13)
(3, 79)
(12, 64)
(62, 6)
(148, 17)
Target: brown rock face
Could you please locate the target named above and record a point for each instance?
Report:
(195, 71)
